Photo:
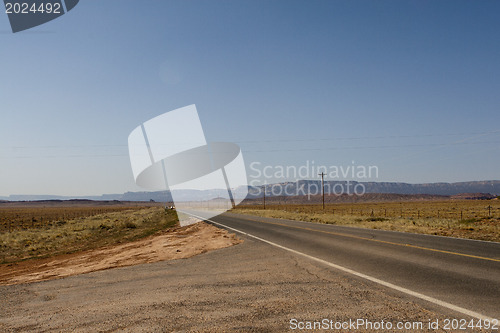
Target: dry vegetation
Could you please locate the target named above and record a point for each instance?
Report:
(21, 215)
(474, 219)
(66, 230)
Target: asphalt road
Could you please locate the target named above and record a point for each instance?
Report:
(249, 287)
(462, 273)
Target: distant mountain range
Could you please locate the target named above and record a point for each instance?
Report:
(346, 187)
(300, 187)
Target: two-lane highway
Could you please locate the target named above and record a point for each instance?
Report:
(458, 274)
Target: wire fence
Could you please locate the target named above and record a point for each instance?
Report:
(446, 210)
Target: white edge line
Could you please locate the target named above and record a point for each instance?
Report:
(363, 276)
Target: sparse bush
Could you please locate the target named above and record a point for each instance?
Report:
(130, 225)
(377, 219)
(468, 221)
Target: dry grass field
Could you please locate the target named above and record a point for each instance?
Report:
(474, 219)
(47, 231)
(39, 214)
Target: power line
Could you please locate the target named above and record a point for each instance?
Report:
(276, 140)
(370, 147)
(274, 150)
(368, 137)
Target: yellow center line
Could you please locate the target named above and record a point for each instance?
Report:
(375, 240)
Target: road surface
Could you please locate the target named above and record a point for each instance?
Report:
(452, 272)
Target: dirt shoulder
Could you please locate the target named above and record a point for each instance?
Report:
(251, 287)
(176, 243)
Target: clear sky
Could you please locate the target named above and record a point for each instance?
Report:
(412, 87)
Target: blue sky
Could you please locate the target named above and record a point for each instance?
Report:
(409, 86)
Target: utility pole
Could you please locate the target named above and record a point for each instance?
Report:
(264, 196)
(322, 174)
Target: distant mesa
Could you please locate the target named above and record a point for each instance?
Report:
(474, 190)
(473, 196)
